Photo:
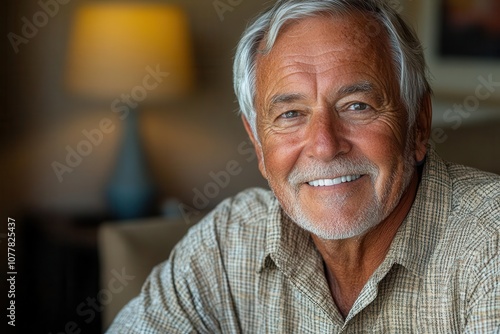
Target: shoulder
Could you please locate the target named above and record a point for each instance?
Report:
(476, 195)
(193, 291)
(467, 179)
(232, 224)
(465, 262)
(474, 221)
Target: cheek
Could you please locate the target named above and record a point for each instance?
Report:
(385, 139)
(280, 156)
(382, 148)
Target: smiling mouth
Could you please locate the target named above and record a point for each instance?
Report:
(332, 182)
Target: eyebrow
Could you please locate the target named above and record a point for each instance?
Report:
(359, 87)
(286, 98)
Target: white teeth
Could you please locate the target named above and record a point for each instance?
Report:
(332, 182)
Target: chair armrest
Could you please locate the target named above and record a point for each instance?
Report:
(133, 248)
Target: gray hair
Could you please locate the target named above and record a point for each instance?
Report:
(407, 53)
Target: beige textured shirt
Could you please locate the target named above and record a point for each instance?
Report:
(246, 268)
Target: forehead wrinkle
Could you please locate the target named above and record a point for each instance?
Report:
(292, 62)
(307, 63)
(279, 91)
(300, 63)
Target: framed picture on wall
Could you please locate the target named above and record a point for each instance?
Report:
(469, 29)
(462, 44)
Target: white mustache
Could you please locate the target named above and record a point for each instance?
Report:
(336, 168)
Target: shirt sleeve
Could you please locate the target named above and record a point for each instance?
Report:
(189, 293)
(483, 314)
(161, 307)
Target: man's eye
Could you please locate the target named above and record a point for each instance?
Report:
(290, 114)
(358, 106)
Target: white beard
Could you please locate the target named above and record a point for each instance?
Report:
(370, 213)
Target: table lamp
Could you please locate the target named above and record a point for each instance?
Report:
(126, 56)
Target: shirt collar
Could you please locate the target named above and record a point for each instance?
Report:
(288, 246)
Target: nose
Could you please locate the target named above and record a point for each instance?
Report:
(326, 137)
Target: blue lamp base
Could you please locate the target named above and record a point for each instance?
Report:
(130, 192)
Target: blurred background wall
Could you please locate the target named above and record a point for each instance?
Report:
(184, 143)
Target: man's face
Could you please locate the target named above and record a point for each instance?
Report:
(333, 134)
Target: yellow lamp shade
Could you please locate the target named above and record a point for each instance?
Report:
(116, 47)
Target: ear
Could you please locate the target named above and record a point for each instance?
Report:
(256, 145)
(423, 127)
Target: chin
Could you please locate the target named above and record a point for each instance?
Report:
(337, 227)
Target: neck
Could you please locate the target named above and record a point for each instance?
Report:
(349, 263)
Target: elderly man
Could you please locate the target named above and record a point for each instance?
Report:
(366, 228)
